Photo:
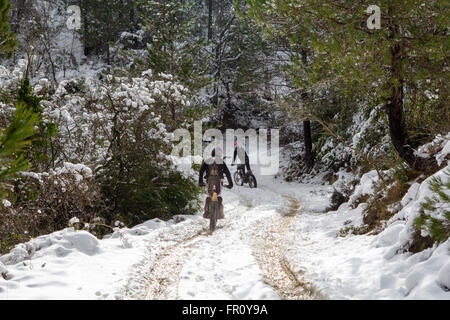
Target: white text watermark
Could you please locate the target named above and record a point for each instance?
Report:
(74, 20)
(255, 144)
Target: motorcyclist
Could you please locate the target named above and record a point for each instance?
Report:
(215, 168)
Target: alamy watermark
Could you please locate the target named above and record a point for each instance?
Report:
(74, 20)
(256, 144)
(260, 152)
(374, 21)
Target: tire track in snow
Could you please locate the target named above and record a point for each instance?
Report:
(161, 245)
(271, 258)
(266, 246)
(222, 266)
(168, 264)
(167, 268)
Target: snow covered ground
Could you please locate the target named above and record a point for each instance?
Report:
(224, 266)
(178, 260)
(75, 265)
(368, 267)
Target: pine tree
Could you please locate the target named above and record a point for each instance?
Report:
(102, 23)
(39, 152)
(171, 48)
(397, 65)
(17, 136)
(435, 215)
(13, 142)
(240, 63)
(7, 39)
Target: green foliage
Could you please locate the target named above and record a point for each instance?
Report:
(335, 49)
(241, 68)
(25, 96)
(171, 48)
(435, 216)
(9, 242)
(13, 142)
(39, 152)
(138, 180)
(344, 232)
(146, 190)
(103, 22)
(196, 167)
(7, 39)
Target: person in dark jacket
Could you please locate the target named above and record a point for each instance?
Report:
(215, 168)
(244, 160)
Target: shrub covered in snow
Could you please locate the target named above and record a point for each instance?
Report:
(434, 220)
(401, 193)
(356, 143)
(121, 127)
(91, 113)
(45, 202)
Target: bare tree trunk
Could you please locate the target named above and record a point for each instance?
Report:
(108, 55)
(52, 64)
(218, 74)
(210, 15)
(309, 156)
(394, 108)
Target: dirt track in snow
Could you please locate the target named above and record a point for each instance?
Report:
(266, 247)
(167, 268)
(270, 255)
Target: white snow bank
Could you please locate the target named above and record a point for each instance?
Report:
(369, 267)
(58, 244)
(441, 156)
(70, 264)
(366, 186)
(441, 143)
(2, 269)
(444, 276)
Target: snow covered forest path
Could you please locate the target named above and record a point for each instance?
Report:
(243, 259)
(276, 242)
(176, 259)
